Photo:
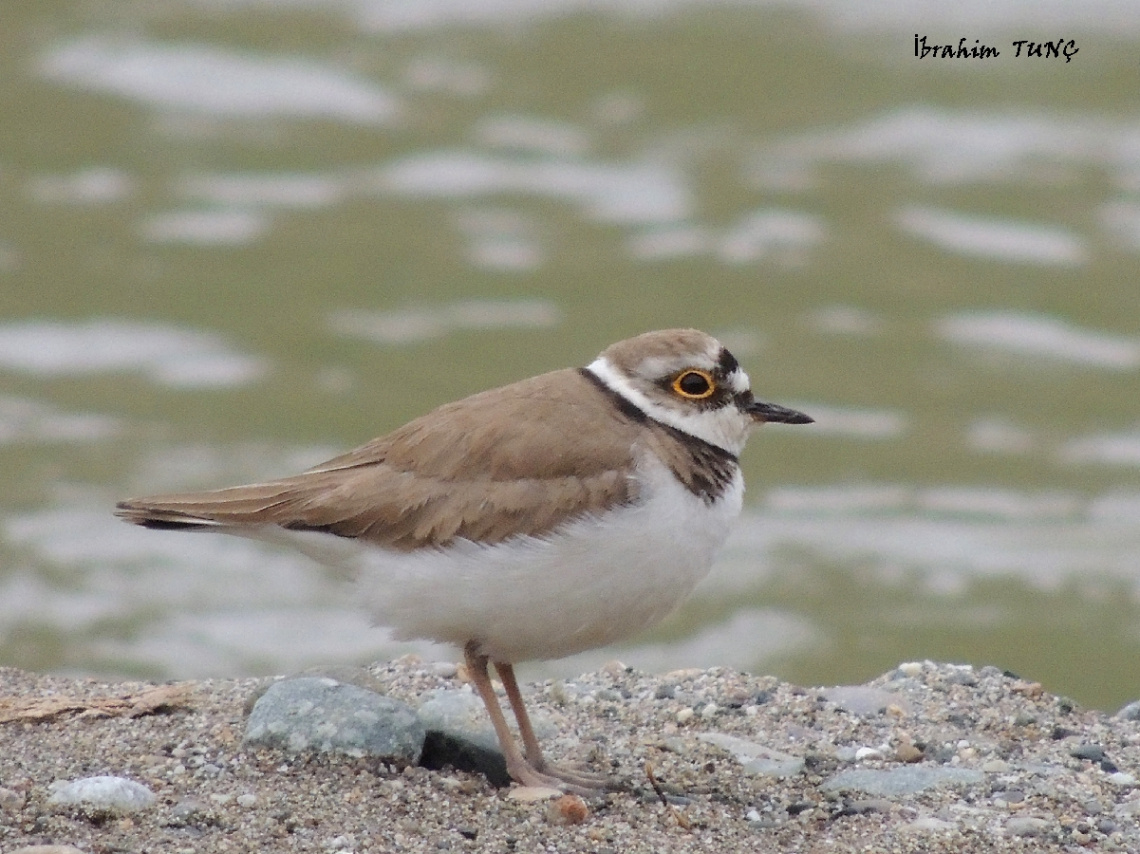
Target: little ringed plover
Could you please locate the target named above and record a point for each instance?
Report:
(533, 521)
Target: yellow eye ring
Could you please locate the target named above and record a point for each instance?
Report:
(694, 384)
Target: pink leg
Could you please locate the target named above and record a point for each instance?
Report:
(530, 742)
(521, 771)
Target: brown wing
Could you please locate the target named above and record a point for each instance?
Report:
(515, 460)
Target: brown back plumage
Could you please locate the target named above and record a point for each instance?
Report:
(480, 468)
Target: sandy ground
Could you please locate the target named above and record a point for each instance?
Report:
(1046, 775)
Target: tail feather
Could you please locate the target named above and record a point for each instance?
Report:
(204, 510)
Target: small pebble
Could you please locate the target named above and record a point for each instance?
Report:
(528, 794)
(685, 715)
(1122, 779)
(614, 668)
(928, 824)
(907, 752)
(865, 806)
(247, 800)
(1027, 825)
(188, 809)
(1004, 799)
(865, 753)
(864, 700)
(568, 809)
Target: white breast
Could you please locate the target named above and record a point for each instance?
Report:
(592, 582)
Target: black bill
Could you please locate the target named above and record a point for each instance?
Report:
(771, 412)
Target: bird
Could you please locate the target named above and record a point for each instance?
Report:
(532, 521)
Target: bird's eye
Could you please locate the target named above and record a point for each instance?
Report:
(694, 384)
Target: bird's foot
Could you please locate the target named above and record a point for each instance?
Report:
(579, 777)
(572, 782)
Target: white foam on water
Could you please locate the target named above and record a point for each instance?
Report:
(424, 323)
(169, 355)
(996, 238)
(395, 16)
(1034, 336)
(206, 79)
(1110, 449)
(97, 185)
(532, 135)
(635, 192)
(851, 422)
(995, 434)
(500, 239)
(846, 320)
(768, 232)
(952, 536)
(747, 640)
(217, 227)
(25, 421)
(952, 147)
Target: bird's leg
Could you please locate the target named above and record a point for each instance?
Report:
(534, 755)
(518, 767)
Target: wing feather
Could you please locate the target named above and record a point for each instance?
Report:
(482, 468)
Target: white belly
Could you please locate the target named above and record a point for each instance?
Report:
(593, 582)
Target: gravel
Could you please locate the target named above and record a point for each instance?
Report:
(929, 757)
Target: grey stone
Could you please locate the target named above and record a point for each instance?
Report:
(191, 812)
(1091, 752)
(1027, 825)
(863, 700)
(188, 809)
(346, 673)
(905, 780)
(1130, 712)
(866, 806)
(928, 824)
(102, 793)
(322, 715)
(756, 759)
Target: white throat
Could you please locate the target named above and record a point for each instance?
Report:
(727, 427)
